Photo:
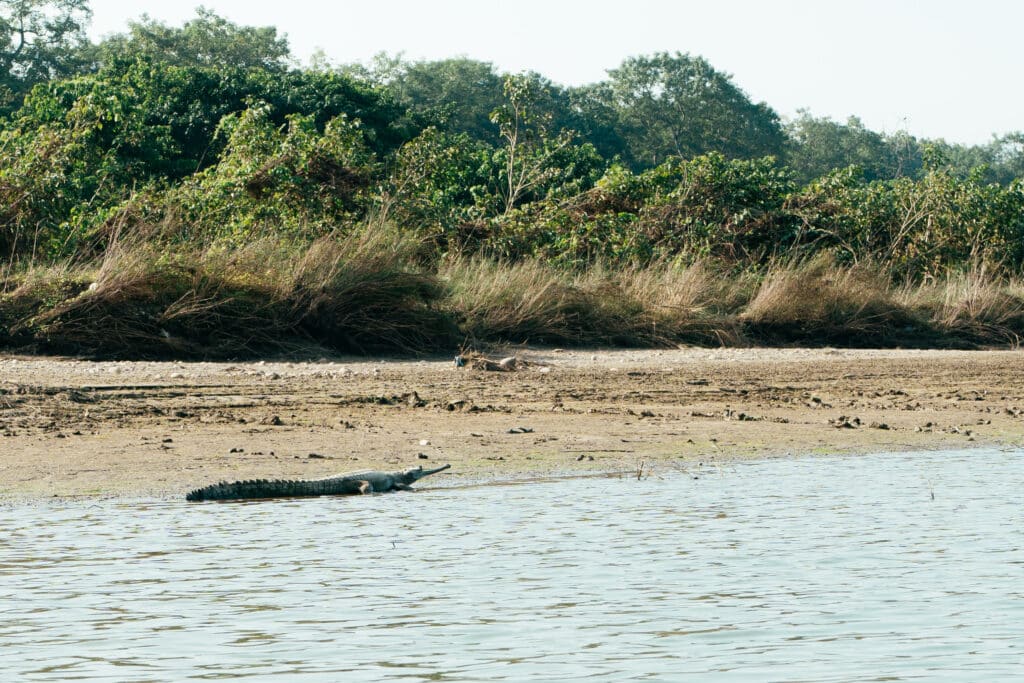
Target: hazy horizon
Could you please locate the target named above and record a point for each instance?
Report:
(937, 70)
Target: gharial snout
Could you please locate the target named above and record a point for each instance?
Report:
(420, 473)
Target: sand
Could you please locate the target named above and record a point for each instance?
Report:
(144, 430)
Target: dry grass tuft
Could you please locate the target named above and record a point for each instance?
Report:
(362, 293)
(972, 307)
(817, 302)
(687, 304)
(529, 301)
(355, 293)
(147, 305)
(521, 302)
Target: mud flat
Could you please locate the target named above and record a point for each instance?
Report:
(71, 428)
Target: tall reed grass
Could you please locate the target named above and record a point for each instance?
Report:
(372, 292)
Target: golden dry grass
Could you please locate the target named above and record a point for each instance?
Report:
(370, 292)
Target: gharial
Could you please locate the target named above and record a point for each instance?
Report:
(348, 484)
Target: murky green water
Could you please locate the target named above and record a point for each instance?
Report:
(814, 569)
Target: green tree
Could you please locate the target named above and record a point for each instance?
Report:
(678, 105)
(207, 40)
(593, 115)
(530, 146)
(1008, 157)
(1000, 161)
(819, 146)
(190, 101)
(293, 180)
(44, 39)
(455, 95)
(458, 95)
(79, 147)
(435, 184)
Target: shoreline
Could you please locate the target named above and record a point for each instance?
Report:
(82, 430)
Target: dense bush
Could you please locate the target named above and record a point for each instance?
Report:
(205, 140)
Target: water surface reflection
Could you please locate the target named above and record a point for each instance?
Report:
(814, 569)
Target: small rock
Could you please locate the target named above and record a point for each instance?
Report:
(273, 420)
(316, 456)
(424, 442)
(237, 450)
(422, 456)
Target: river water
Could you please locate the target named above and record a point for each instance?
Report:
(886, 567)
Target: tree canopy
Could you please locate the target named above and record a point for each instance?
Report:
(207, 40)
(677, 105)
(215, 126)
(40, 40)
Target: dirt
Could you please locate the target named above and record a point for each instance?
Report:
(71, 428)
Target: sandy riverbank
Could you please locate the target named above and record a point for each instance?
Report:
(76, 428)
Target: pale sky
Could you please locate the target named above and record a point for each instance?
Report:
(939, 69)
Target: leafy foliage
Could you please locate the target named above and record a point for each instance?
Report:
(678, 105)
(39, 40)
(207, 40)
(293, 181)
(820, 145)
(208, 134)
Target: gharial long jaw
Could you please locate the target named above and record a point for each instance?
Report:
(410, 476)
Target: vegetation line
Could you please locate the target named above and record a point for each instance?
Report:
(191, 192)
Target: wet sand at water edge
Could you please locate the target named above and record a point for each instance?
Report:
(72, 428)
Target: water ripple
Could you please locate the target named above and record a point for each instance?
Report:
(888, 567)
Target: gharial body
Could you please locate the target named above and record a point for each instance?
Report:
(348, 484)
